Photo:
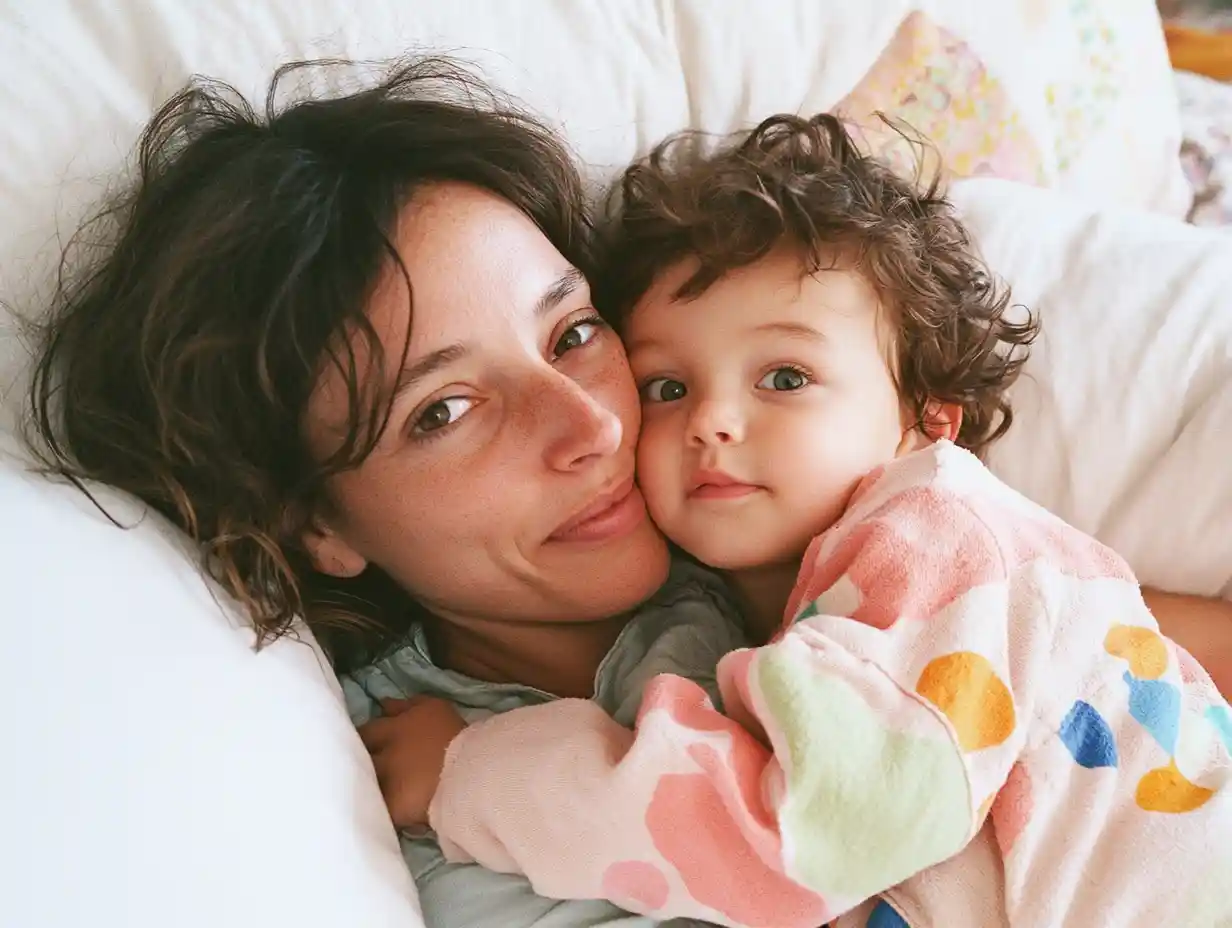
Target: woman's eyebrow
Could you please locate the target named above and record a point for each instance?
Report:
(430, 363)
(559, 291)
(556, 293)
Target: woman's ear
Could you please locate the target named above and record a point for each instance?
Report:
(942, 421)
(329, 552)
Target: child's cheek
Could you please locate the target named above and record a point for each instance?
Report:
(658, 461)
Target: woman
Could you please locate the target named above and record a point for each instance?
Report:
(350, 348)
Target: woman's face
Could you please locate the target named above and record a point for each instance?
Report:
(502, 489)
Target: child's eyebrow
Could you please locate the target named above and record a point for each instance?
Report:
(640, 344)
(793, 330)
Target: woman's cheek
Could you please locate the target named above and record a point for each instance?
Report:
(615, 387)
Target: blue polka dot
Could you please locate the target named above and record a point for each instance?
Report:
(1157, 707)
(1088, 737)
(884, 916)
(1221, 718)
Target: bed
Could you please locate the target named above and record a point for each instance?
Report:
(166, 773)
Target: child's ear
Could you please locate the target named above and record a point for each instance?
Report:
(942, 421)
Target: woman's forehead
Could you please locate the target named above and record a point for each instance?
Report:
(473, 259)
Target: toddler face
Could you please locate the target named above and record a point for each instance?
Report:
(765, 401)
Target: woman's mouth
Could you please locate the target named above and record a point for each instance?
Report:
(613, 513)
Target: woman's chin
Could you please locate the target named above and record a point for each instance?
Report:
(612, 578)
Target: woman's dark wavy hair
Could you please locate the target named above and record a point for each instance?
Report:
(804, 184)
(194, 314)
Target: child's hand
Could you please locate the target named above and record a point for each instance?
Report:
(408, 750)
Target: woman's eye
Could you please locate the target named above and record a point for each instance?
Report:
(663, 390)
(577, 335)
(442, 413)
(784, 379)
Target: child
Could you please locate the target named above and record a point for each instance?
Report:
(819, 354)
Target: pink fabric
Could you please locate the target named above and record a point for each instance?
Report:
(972, 707)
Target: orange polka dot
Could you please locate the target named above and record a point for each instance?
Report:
(1166, 789)
(965, 687)
(1142, 648)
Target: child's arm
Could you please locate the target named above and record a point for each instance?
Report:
(691, 815)
(856, 754)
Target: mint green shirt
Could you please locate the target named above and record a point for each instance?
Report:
(683, 629)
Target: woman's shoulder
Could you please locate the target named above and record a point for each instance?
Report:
(684, 629)
(407, 669)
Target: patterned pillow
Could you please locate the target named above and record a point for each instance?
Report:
(933, 83)
(1085, 103)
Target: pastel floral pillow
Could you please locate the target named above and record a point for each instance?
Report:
(1078, 96)
(931, 83)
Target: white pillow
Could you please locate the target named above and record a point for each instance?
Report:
(156, 770)
(1123, 420)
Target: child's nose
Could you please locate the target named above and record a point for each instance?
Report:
(716, 422)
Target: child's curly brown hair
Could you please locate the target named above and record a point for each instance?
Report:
(803, 183)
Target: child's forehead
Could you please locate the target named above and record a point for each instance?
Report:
(778, 287)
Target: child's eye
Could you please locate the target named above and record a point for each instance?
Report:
(663, 390)
(784, 379)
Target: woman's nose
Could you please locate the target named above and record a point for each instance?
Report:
(716, 422)
(579, 429)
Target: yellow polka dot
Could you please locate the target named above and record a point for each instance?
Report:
(966, 688)
(1166, 789)
(1142, 648)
